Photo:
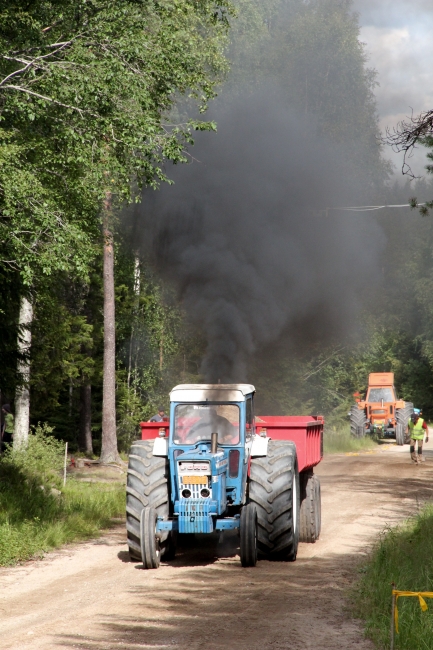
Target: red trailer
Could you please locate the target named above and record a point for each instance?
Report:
(306, 431)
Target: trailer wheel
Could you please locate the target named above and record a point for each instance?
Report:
(318, 502)
(274, 489)
(357, 421)
(248, 535)
(146, 486)
(149, 540)
(311, 513)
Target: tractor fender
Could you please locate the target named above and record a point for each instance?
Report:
(259, 446)
(160, 447)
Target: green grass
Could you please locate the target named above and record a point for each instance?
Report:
(338, 440)
(33, 521)
(403, 555)
(34, 518)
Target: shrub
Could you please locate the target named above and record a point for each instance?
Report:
(33, 517)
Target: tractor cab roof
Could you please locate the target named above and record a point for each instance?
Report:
(381, 379)
(211, 392)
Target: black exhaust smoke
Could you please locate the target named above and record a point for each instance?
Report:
(245, 236)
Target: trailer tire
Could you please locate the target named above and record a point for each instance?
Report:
(248, 535)
(274, 489)
(149, 540)
(318, 502)
(310, 512)
(357, 421)
(146, 486)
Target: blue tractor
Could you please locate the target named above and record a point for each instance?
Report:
(212, 473)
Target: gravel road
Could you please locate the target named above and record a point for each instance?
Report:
(89, 596)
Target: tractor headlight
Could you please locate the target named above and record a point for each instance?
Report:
(186, 493)
(205, 493)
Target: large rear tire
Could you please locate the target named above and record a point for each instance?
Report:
(402, 418)
(311, 512)
(146, 486)
(248, 535)
(357, 421)
(274, 489)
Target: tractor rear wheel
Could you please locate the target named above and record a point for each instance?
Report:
(357, 421)
(149, 540)
(146, 486)
(274, 489)
(402, 418)
(310, 514)
(248, 535)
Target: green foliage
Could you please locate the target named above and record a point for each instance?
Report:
(33, 517)
(88, 90)
(41, 460)
(403, 555)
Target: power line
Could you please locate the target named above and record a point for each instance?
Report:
(370, 208)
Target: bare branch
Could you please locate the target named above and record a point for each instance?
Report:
(50, 99)
(408, 133)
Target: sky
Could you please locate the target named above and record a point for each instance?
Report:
(399, 44)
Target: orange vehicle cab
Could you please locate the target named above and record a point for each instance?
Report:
(381, 401)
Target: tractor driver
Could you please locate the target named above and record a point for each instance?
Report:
(211, 422)
(417, 428)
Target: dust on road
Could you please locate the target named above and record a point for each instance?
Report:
(89, 596)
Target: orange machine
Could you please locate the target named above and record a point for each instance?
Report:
(381, 412)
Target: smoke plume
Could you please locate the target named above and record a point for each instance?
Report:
(245, 236)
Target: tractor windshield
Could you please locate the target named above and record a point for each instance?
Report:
(195, 422)
(379, 394)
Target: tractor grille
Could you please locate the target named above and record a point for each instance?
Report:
(194, 516)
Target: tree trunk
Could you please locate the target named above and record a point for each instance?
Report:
(22, 393)
(109, 453)
(85, 441)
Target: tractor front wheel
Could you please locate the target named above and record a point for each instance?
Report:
(248, 535)
(147, 487)
(149, 541)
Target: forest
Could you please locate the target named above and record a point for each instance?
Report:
(206, 149)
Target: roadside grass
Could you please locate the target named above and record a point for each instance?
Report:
(403, 555)
(38, 514)
(339, 440)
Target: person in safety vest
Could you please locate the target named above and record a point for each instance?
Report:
(417, 429)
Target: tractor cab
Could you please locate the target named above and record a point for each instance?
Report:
(211, 430)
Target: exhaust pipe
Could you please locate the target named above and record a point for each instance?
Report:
(214, 443)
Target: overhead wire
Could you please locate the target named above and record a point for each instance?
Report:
(370, 208)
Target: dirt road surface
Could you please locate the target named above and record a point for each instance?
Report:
(89, 596)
